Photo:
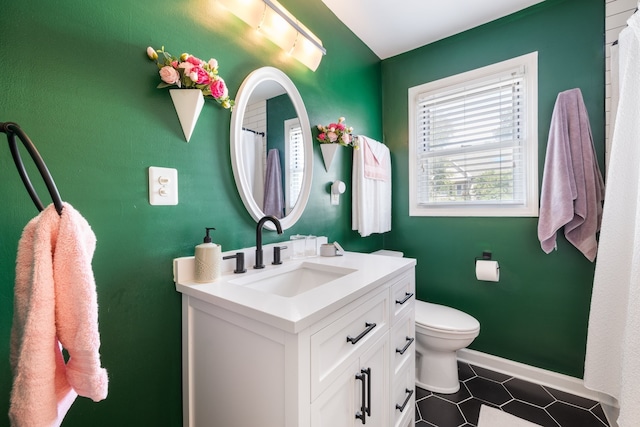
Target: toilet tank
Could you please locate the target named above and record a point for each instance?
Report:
(386, 252)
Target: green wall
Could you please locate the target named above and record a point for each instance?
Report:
(537, 313)
(76, 77)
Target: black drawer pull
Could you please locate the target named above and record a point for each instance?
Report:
(367, 372)
(405, 299)
(365, 409)
(410, 393)
(406, 346)
(362, 414)
(369, 326)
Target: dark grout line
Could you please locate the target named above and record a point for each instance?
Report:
(537, 414)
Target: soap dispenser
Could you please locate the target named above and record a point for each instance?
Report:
(208, 259)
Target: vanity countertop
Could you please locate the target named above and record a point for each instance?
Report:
(292, 314)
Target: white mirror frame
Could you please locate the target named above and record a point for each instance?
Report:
(242, 99)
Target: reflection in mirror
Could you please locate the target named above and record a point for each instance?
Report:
(271, 147)
(272, 138)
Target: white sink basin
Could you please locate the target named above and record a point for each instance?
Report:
(293, 279)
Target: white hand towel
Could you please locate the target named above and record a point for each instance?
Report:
(371, 202)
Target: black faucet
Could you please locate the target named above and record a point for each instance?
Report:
(264, 219)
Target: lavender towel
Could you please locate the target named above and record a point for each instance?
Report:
(572, 186)
(273, 199)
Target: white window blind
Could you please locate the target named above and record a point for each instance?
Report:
(472, 143)
(295, 162)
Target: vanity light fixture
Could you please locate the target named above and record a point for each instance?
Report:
(271, 19)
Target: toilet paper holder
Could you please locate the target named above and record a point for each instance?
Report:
(487, 270)
(486, 256)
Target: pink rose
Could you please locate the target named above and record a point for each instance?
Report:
(193, 60)
(322, 137)
(332, 136)
(340, 126)
(186, 66)
(199, 76)
(346, 138)
(169, 75)
(219, 89)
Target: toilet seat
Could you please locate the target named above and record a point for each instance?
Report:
(441, 318)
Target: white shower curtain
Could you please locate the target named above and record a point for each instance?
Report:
(615, 93)
(612, 363)
(254, 159)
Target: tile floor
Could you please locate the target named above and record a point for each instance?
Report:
(538, 404)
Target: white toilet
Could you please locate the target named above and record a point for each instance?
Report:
(440, 332)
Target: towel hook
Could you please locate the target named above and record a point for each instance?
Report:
(11, 130)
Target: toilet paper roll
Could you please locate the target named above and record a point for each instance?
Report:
(487, 270)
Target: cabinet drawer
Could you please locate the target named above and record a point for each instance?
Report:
(403, 343)
(344, 340)
(402, 296)
(403, 397)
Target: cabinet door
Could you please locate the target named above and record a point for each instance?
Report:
(375, 364)
(335, 407)
(343, 404)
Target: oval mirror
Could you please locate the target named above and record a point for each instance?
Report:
(271, 147)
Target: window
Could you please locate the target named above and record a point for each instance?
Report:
(294, 162)
(473, 142)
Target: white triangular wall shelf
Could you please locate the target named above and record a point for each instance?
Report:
(188, 104)
(328, 152)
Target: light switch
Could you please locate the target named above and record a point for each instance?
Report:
(163, 186)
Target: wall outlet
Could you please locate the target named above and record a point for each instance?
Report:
(163, 186)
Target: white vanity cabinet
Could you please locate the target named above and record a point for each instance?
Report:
(359, 395)
(350, 368)
(402, 359)
(350, 364)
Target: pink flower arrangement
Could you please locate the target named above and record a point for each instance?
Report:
(190, 72)
(336, 133)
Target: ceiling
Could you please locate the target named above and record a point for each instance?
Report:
(391, 27)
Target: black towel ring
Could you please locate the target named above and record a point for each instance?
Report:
(12, 129)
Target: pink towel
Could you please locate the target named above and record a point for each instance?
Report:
(55, 305)
(572, 185)
(377, 163)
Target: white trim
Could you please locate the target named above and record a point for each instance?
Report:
(535, 375)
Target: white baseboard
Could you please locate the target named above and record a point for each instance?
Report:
(540, 376)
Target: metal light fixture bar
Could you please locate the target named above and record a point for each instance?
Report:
(277, 24)
(295, 24)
